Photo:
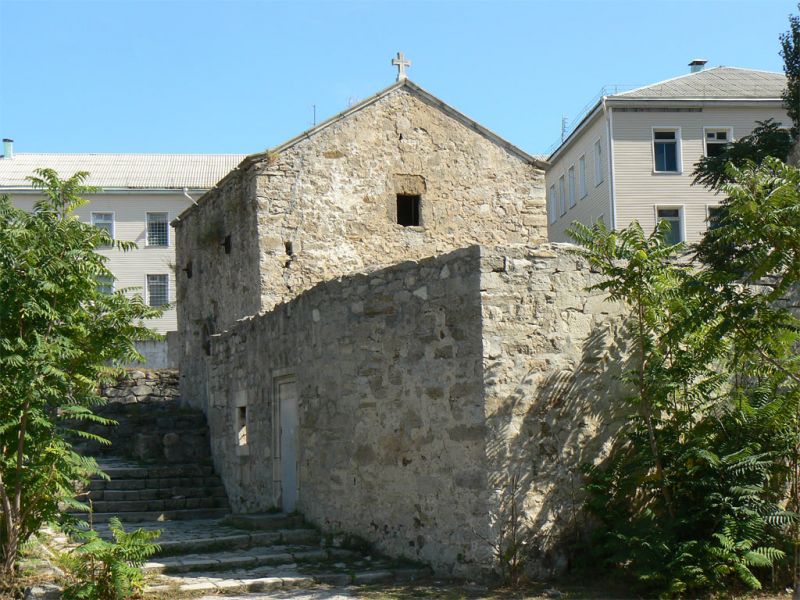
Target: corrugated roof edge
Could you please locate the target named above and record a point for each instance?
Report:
(663, 81)
(407, 83)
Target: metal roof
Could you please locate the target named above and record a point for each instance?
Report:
(723, 83)
(124, 171)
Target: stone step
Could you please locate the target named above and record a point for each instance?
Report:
(239, 541)
(167, 515)
(156, 472)
(157, 493)
(168, 504)
(246, 559)
(263, 521)
(266, 579)
(154, 483)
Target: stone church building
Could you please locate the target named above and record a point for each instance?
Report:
(381, 337)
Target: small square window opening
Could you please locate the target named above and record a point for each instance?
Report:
(408, 210)
(241, 425)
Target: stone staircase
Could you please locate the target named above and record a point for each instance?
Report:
(139, 493)
(256, 553)
(161, 477)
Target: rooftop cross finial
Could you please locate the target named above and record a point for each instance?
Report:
(401, 63)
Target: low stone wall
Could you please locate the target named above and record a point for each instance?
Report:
(423, 388)
(142, 385)
(152, 425)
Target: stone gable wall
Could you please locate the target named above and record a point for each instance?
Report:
(326, 207)
(333, 196)
(423, 387)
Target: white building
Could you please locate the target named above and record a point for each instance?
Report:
(633, 154)
(139, 195)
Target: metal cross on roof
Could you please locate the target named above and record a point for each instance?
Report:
(401, 63)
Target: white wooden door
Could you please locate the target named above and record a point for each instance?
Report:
(287, 398)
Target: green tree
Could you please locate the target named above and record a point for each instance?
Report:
(790, 52)
(768, 138)
(693, 498)
(59, 337)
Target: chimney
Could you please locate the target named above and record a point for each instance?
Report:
(697, 65)
(8, 148)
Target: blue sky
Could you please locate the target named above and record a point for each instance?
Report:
(241, 76)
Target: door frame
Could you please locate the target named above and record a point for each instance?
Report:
(281, 377)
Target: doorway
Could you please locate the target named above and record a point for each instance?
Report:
(288, 430)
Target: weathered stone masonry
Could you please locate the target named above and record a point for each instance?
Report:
(422, 387)
(324, 205)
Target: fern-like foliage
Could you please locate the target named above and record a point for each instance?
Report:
(108, 570)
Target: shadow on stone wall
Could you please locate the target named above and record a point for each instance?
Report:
(550, 427)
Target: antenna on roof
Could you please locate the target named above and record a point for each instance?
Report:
(563, 127)
(314, 110)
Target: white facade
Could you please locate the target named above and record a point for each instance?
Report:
(640, 149)
(125, 210)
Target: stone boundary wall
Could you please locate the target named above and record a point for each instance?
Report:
(141, 385)
(388, 373)
(423, 388)
(552, 354)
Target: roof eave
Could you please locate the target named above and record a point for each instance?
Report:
(619, 100)
(572, 137)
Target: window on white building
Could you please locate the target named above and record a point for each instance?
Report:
(157, 290)
(672, 216)
(714, 215)
(157, 229)
(553, 205)
(105, 284)
(582, 191)
(717, 140)
(104, 221)
(598, 163)
(562, 196)
(571, 183)
(666, 150)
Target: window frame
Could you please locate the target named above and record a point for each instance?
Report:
(583, 189)
(681, 217)
(111, 284)
(678, 148)
(147, 229)
(710, 128)
(147, 288)
(113, 221)
(571, 192)
(709, 208)
(599, 171)
(562, 196)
